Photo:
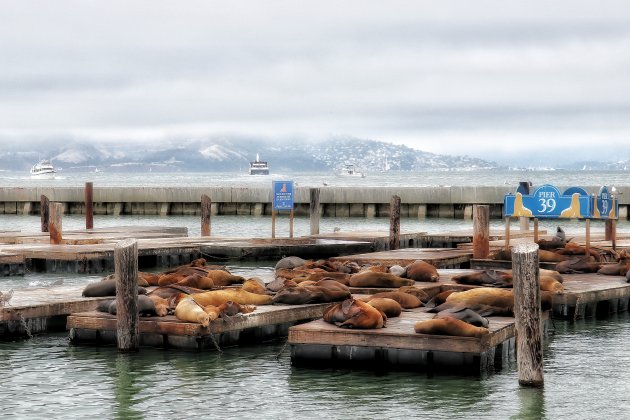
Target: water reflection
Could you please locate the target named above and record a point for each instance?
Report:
(532, 403)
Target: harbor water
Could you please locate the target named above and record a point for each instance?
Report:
(586, 362)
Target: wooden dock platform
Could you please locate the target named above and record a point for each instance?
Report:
(440, 258)
(454, 238)
(379, 239)
(397, 346)
(265, 323)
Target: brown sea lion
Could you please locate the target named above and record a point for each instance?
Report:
(217, 297)
(105, 288)
(294, 273)
(161, 305)
(342, 278)
(422, 271)
(502, 255)
(449, 326)
(549, 284)
(169, 291)
(197, 281)
(150, 278)
(485, 278)
(388, 306)
(227, 309)
(500, 299)
(280, 283)
(223, 278)
(378, 268)
(141, 279)
(353, 313)
(374, 279)
(405, 300)
(618, 269)
(550, 273)
(465, 314)
(299, 295)
(552, 244)
(416, 291)
(578, 265)
(550, 256)
(439, 298)
(572, 249)
(254, 285)
(189, 310)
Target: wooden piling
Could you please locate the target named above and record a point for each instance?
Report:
(206, 207)
(507, 233)
(273, 224)
(394, 222)
(55, 225)
(314, 210)
(44, 212)
(89, 206)
(291, 214)
(481, 231)
(587, 239)
(126, 265)
(524, 223)
(527, 314)
(610, 229)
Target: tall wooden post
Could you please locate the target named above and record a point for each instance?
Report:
(535, 230)
(481, 231)
(44, 205)
(394, 222)
(55, 225)
(206, 206)
(507, 233)
(89, 206)
(524, 189)
(527, 314)
(291, 224)
(126, 265)
(587, 240)
(524, 223)
(314, 210)
(273, 223)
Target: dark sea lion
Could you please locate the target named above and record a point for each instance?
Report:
(439, 298)
(618, 269)
(299, 295)
(482, 310)
(353, 313)
(502, 255)
(578, 265)
(388, 306)
(405, 300)
(575, 249)
(422, 271)
(189, 310)
(169, 291)
(449, 326)
(464, 314)
(103, 306)
(217, 297)
(146, 306)
(105, 288)
(374, 279)
(416, 291)
(141, 280)
(343, 278)
(290, 262)
(485, 278)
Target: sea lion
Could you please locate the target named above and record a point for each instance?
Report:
(161, 305)
(501, 300)
(353, 313)
(280, 283)
(578, 265)
(254, 285)
(141, 280)
(465, 314)
(189, 310)
(169, 291)
(217, 297)
(342, 278)
(150, 278)
(299, 295)
(560, 234)
(105, 288)
(482, 309)
(618, 269)
(146, 306)
(227, 310)
(422, 271)
(290, 262)
(550, 273)
(374, 279)
(198, 282)
(550, 256)
(416, 291)
(378, 268)
(388, 306)
(449, 326)
(486, 277)
(502, 255)
(550, 284)
(223, 278)
(439, 298)
(575, 249)
(405, 300)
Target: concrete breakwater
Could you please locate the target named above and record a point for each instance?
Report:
(420, 202)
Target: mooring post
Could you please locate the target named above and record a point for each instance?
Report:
(126, 266)
(55, 225)
(507, 233)
(291, 214)
(527, 314)
(44, 210)
(523, 187)
(89, 206)
(206, 207)
(273, 223)
(314, 210)
(394, 222)
(587, 239)
(535, 230)
(481, 231)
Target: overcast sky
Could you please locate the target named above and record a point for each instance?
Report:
(485, 78)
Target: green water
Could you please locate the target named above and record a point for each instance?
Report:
(586, 371)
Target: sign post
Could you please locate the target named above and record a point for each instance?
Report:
(283, 199)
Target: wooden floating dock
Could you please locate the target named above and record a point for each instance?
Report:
(265, 323)
(454, 238)
(320, 344)
(440, 258)
(380, 240)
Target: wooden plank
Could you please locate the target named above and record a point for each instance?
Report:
(439, 257)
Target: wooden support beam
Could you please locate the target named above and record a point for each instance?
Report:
(481, 231)
(273, 224)
(394, 222)
(55, 223)
(527, 315)
(314, 210)
(587, 240)
(507, 233)
(126, 264)
(89, 206)
(535, 230)
(206, 211)
(291, 224)
(44, 212)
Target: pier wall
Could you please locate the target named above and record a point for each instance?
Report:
(416, 202)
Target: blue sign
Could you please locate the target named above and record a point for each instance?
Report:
(606, 206)
(547, 202)
(283, 195)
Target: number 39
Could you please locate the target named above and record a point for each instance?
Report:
(547, 205)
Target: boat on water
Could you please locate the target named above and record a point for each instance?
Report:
(351, 170)
(43, 169)
(258, 167)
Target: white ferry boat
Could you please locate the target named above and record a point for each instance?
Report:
(43, 169)
(350, 170)
(258, 167)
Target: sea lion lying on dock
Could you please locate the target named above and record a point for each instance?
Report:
(465, 314)
(254, 285)
(374, 279)
(500, 300)
(550, 284)
(618, 269)
(146, 306)
(578, 265)
(550, 273)
(105, 288)
(343, 278)
(354, 313)
(290, 262)
(485, 278)
(572, 249)
(218, 297)
(406, 300)
(550, 256)
(416, 291)
(280, 283)
(323, 291)
(227, 310)
(189, 310)
(439, 298)
(388, 306)
(422, 271)
(449, 326)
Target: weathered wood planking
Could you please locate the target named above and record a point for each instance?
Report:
(379, 239)
(97, 235)
(440, 258)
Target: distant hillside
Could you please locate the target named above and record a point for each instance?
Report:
(234, 155)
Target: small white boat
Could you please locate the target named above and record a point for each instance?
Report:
(258, 167)
(350, 170)
(43, 169)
